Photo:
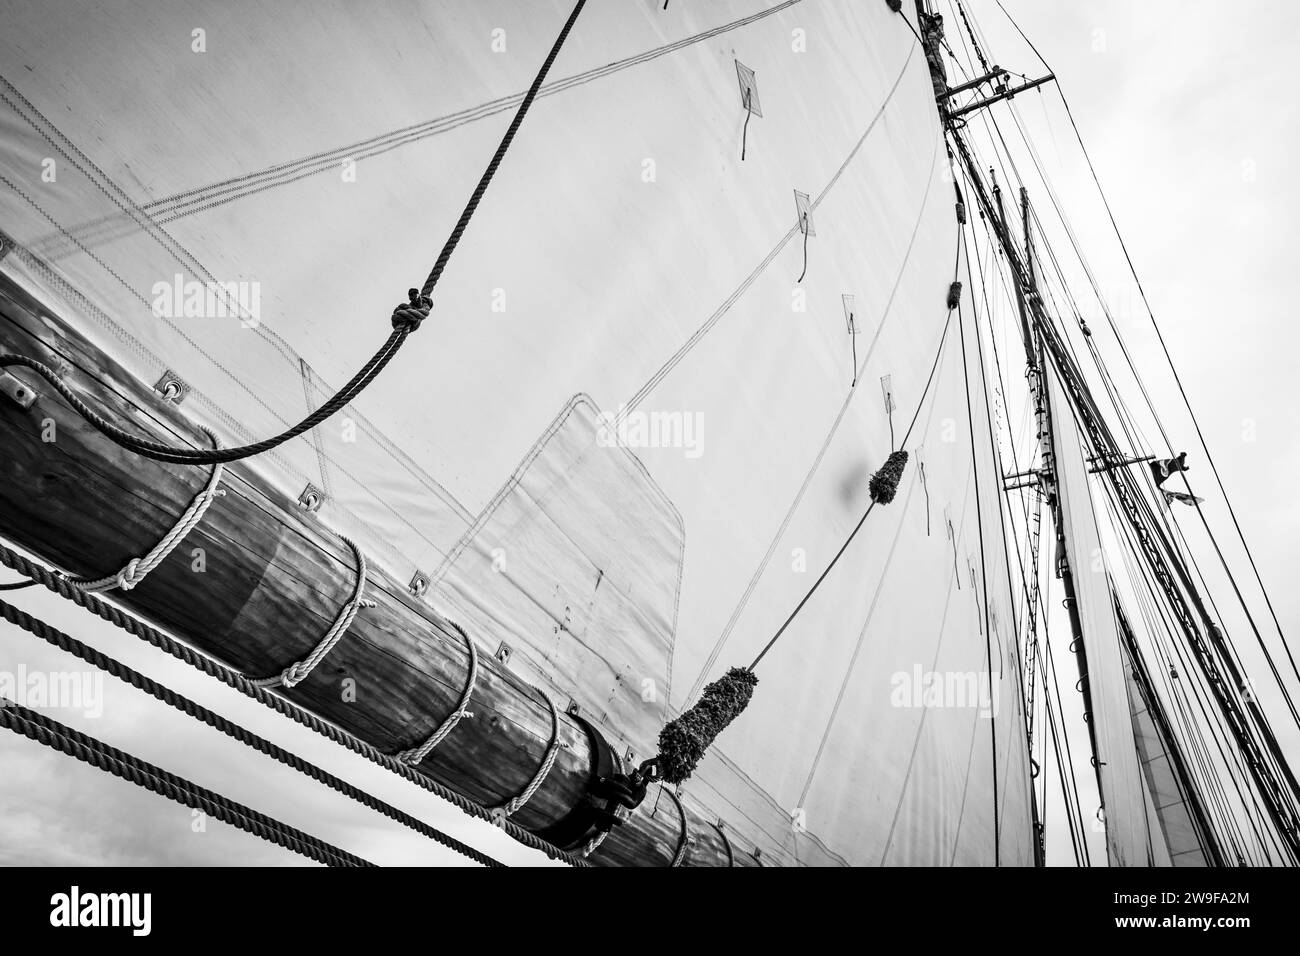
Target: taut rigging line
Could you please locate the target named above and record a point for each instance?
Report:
(1163, 346)
(1273, 789)
(953, 303)
(406, 319)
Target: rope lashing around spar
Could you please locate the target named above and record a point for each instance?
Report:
(134, 571)
(297, 672)
(282, 705)
(406, 318)
(685, 739)
(416, 754)
(65, 642)
(517, 803)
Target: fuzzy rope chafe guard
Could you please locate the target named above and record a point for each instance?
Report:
(884, 483)
(954, 295)
(685, 740)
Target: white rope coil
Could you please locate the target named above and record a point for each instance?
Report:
(137, 568)
(297, 672)
(515, 804)
(416, 754)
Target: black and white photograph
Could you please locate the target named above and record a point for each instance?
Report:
(463, 434)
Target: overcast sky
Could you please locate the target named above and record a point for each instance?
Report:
(1191, 120)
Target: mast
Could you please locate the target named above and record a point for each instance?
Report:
(1273, 777)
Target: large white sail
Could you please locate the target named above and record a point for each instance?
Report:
(627, 275)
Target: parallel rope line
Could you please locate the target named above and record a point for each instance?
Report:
(71, 645)
(201, 198)
(87, 749)
(233, 679)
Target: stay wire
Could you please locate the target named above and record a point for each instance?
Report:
(1165, 349)
(979, 524)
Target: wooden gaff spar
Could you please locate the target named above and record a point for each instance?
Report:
(272, 583)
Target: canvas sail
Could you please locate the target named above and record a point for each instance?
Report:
(625, 269)
(1128, 831)
(1169, 804)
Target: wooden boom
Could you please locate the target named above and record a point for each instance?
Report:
(274, 581)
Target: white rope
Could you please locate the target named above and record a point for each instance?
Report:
(515, 804)
(679, 855)
(296, 673)
(137, 568)
(416, 754)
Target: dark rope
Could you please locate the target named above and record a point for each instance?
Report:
(1168, 358)
(18, 586)
(66, 642)
(853, 339)
(805, 249)
(744, 133)
(406, 319)
(984, 590)
(89, 750)
(232, 678)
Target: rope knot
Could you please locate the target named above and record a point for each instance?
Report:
(408, 315)
(129, 576)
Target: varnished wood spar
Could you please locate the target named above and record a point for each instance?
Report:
(274, 581)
